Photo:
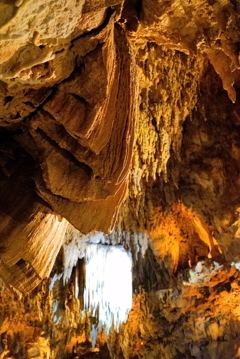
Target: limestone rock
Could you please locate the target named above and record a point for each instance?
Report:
(121, 117)
(31, 234)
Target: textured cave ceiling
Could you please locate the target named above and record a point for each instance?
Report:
(120, 123)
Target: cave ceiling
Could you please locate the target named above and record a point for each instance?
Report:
(120, 120)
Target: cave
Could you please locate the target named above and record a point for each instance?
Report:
(120, 179)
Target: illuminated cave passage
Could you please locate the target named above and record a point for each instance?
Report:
(100, 276)
(119, 179)
(108, 292)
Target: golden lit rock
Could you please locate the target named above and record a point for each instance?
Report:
(119, 126)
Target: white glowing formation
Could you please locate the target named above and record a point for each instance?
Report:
(108, 292)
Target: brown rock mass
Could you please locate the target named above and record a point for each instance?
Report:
(121, 117)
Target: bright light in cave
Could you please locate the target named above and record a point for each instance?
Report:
(108, 292)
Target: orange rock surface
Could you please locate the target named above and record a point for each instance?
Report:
(120, 117)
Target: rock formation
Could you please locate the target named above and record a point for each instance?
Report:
(119, 125)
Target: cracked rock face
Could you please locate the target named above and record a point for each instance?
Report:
(120, 117)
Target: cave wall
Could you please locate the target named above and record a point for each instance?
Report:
(122, 118)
